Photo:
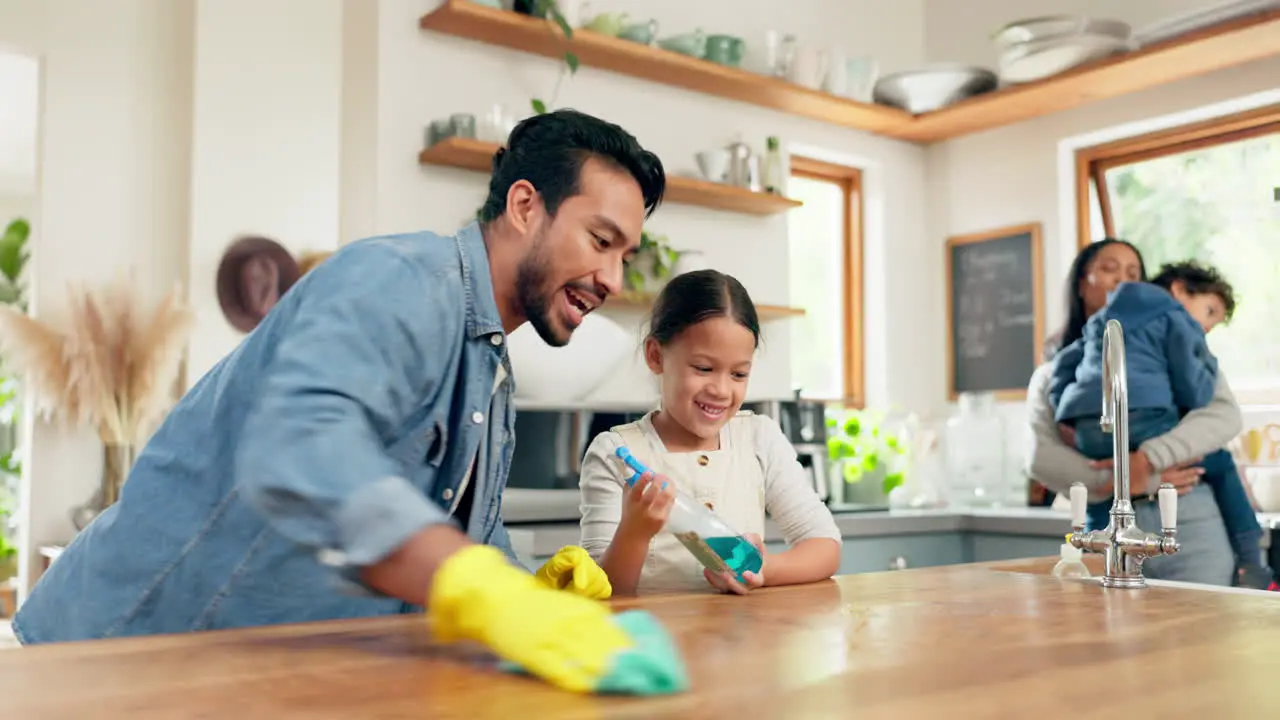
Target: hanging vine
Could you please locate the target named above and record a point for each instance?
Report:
(551, 9)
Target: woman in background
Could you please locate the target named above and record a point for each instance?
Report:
(1205, 555)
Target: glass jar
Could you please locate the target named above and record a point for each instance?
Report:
(924, 476)
(975, 453)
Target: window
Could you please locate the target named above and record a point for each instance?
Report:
(1205, 192)
(825, 246)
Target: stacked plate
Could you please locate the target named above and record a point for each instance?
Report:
(1038, 48)
(1204, 17)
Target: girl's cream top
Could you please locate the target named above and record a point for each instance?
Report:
(754, 472)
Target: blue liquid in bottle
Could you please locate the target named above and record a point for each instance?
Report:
(716, 545)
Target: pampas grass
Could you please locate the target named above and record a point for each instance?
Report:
(114, 367)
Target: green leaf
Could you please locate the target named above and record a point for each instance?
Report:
(891, 481)
(870, 462)
(13, 251)
(572, 61)
(852, 472)
(635, 279)
(539, 107)
(17, 231)
(563, 24)
(853, 426)
(839, 449)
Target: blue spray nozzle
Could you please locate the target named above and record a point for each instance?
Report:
(625, 456)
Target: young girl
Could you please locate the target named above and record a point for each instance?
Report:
(702, 339)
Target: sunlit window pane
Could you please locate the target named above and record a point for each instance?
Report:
(1097, 228)
(816, 244)
(1215, 205)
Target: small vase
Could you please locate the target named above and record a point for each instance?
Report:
(867, 492)
(117, 460)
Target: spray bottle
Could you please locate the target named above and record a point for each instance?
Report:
(716, 545)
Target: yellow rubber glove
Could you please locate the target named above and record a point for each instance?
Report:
(565, 639)
(573, 569)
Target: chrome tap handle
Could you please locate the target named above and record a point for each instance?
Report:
(1079, 506)
(1167, 496)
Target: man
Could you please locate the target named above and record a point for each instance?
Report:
(345, 460)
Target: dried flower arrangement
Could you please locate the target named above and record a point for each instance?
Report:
(115, 368)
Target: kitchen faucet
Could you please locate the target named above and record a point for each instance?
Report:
(1124, 544)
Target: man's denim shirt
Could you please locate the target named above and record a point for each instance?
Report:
(340, 427)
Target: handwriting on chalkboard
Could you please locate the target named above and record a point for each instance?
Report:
(994, 310)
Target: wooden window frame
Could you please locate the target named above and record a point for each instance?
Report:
(849, 180)
(1092, 164)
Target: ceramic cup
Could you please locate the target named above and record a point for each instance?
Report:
(725, 50)
(463, 125)
(714, 164)
(438, 130)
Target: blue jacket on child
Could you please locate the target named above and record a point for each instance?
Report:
(1168, 360)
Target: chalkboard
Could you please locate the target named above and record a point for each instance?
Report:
(995, 311)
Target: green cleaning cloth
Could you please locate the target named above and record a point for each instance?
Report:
(652, 667)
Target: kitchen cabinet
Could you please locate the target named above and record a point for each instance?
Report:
(989, 547)
(876, 554)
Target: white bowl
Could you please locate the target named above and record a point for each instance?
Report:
(932, 87)
(1057, 26)
(572, 372)
(1045, 58)
(714, 165)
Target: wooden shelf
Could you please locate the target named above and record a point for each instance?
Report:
(1210, 49)
(1207, 50)
(632, 300)
(532, 35)
(478, 155)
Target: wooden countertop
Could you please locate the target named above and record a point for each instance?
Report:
(965, 641)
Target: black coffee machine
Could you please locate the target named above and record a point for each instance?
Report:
(804, 422)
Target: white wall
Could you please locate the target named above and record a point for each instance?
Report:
(265, 142)
(425, 75)
(19, 100)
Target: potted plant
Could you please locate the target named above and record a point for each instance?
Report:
(652, 265)
(867, 460)
(8, 550)
(114, 368)
(13, 259)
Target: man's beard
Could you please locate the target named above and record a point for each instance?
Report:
(534, 296)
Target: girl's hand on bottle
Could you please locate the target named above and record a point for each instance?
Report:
(727, 583)
(646, 506)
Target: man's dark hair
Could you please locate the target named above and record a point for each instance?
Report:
(549, 150)
(1198, 279)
